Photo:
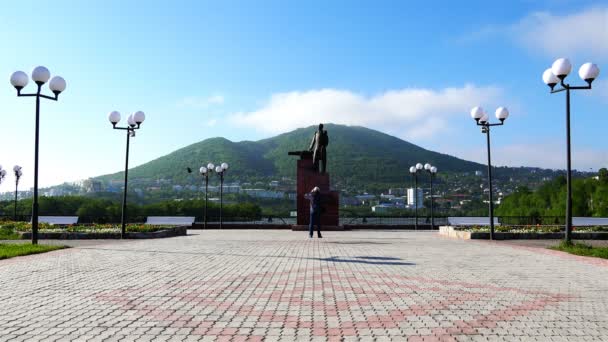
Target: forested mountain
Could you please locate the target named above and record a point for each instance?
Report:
(356, 155)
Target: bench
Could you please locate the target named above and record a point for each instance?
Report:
(58, 220)
(170, 220)
(589, 221)
(471, 221)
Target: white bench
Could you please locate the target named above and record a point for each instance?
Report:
(589, 221)
(58, 220)
(471, 221)
(170, 220)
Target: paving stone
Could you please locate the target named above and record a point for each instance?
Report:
(282, 286)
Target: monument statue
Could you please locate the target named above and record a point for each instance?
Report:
(309, 177)
(318, 147)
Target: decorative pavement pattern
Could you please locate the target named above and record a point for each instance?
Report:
(281, 286)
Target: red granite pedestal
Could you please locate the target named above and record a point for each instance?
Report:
(307, 179)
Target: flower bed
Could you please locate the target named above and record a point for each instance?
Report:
(524, 232)
(23, 230)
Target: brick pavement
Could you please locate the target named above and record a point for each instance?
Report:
(280, 286)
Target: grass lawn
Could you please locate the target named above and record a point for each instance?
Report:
(582, 249)
(12, 250)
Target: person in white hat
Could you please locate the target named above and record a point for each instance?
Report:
(315, 211)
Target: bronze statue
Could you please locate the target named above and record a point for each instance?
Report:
(318, 147)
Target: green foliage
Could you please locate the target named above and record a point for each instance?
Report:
(589, 198)
(8, 233)
(356, 155)
(19, 249)
(93, 210)
(582, 249)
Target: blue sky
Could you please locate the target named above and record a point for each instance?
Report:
(249, 70)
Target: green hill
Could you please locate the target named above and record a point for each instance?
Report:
(356, 155)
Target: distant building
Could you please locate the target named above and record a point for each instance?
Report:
(478, 173)
(397, 191)
(261, 193)
(365, 198)
(274, 184)
(232, 189)
(415, 201)
(91, 185)
(382, 208)
(387, 197)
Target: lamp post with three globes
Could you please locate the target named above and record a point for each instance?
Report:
(432, 170)
(205, 171)
(221, 170)
(552, 76)
(414, 171)
(482, 119)
(19, 79)
(133, 123)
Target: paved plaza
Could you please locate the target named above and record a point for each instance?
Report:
(281, 286)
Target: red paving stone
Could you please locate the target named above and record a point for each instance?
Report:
(236, 286)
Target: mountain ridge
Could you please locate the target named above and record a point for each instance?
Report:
(355, 155)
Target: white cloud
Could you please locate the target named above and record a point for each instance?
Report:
(199, 102)
(410, 113)
(585, 31)
(582, 33)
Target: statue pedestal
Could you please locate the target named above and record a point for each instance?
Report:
(307, 179)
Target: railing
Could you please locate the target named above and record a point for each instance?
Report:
(393, 221)
(362, 220)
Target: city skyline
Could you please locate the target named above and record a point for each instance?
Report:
(207, 70)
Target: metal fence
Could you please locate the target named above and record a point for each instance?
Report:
(371, 220)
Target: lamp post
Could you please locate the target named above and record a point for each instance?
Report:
(18, 174)
(432, 170)
(19, 79)
(414, 171)
(133, 123)
(552, 76)
(205, 171)
(220, 170)
(482, 119)
(2, 174)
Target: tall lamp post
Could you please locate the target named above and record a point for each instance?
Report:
(2, 174)
(205, 171)
(19, 79)
(552, 76)
(18, 174)
(133, 123)
(414, 171)
(221, 170)
(482, 119)
(432, 170)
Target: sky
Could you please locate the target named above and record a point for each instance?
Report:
(247, 70)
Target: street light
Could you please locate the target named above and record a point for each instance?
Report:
(482, 119)
(2, 174)
(414, 171)
(19, 79)
(432, 170)
(220, 170)
(18, 174)
(133, 123)
(552, 76)
(205, 171)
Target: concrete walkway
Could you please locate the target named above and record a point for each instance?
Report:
(281, 286)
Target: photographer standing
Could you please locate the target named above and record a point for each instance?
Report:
(315, 211)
